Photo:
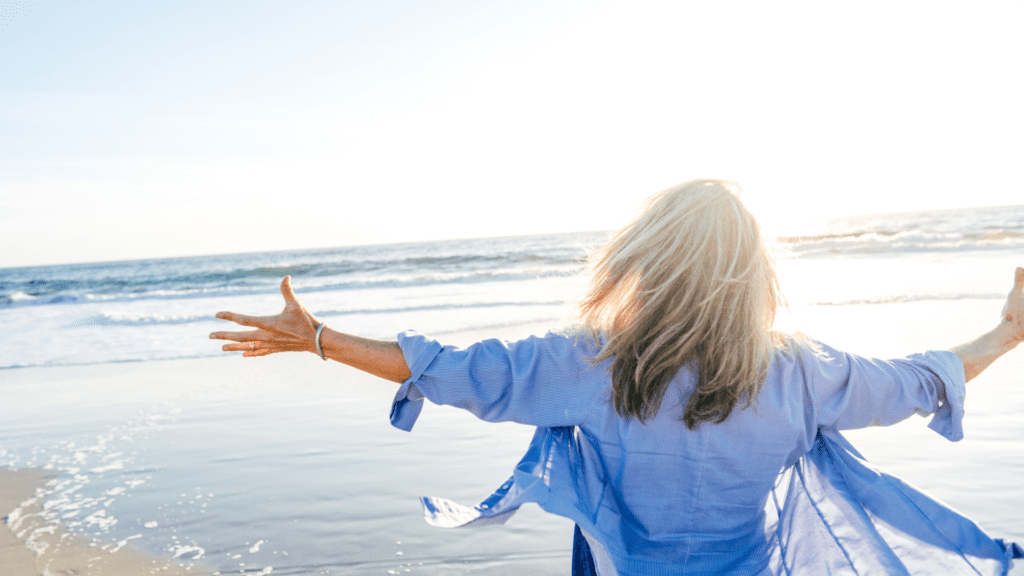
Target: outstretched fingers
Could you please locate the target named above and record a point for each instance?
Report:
(252, 348)
(246, 336)
(251, 321)
(240, 347)
(291, 330)
(286, 291)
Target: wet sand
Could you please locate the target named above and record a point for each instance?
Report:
(304, 475)
(63, 553)
(103, 401)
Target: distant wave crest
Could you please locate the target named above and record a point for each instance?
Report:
(118, 319)
(987, 228)
(332, 284)
(114, 319)
(902, 298)
(879, 242)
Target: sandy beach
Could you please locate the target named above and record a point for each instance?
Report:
(288, 464)
(255, 436)
(31, 547)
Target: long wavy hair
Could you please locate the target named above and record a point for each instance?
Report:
(690, 282)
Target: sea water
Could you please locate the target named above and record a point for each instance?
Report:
(289, 466)
(152, 309)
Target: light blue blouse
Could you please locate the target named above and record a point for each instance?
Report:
(775, 489)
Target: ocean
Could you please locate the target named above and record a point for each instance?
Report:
(153, 309)
(287, 464)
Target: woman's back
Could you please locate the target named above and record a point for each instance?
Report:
(657, 495)
(691, 497)
(688, 492)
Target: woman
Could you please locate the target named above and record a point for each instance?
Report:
(665, 419)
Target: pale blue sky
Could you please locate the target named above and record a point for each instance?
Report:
(149, 129)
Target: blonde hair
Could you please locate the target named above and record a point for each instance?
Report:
(689, 282)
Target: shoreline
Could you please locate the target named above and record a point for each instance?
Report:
(33, 543)
(303, 471)
(30, 546)
(511, 330)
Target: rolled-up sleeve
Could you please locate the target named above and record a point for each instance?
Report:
(546, 381)
(419, 352)
(850, 391)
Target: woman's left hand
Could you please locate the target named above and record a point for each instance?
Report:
(293, 330)
(1013, 311)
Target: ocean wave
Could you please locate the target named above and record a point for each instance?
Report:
(47, 362)
(904, 298)
(21, 299)
(392, 281)
(128, 354)
(327, 313)
(898, 243)
(115, 319)
(961, 230)
(120, 319)
(43, 285)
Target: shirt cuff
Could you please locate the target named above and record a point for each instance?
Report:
(419, 352)
(948, 419)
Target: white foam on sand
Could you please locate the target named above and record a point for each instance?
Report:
(180, 550)
(51, 548)
(121, 543)
(64, 508)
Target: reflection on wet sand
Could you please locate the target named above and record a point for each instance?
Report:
(31, 545)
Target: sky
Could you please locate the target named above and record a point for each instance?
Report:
(153, 129)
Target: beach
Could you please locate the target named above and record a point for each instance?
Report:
(289, 463)
(129, 442)
(461, 170)
(294, 458)
(62, 553)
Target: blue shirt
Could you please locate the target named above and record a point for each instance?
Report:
(772, 490)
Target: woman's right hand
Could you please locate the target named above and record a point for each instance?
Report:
(1013, 311)
(293, 330)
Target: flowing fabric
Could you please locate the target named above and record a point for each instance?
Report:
(772, 491)
(835, 513)
(838, 514)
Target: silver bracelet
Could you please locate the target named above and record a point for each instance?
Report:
(319, 349)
